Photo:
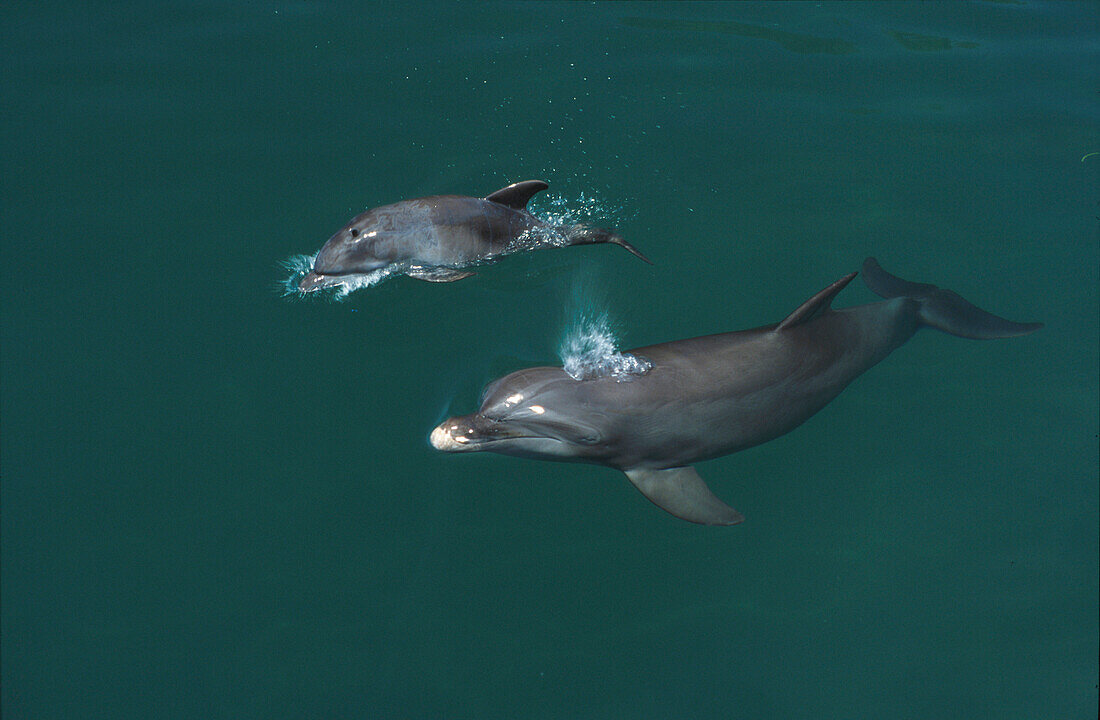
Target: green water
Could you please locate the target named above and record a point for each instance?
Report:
(219, 503)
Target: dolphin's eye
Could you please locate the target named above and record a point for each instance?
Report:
(355, 232)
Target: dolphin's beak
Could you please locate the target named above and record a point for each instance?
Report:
(469, 433)
(444, 438)
(455, 434)
(312, 281)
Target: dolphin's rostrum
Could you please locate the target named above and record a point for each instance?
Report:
(434, 238)
(711, 396)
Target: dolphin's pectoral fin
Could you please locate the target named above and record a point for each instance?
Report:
(517, 195)
(816, 305)
(683, 493)
(437, 274)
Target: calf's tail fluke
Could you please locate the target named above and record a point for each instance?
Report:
(584, 235)
(943, 309)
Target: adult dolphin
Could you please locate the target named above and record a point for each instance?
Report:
(710, 396)
(433, 238)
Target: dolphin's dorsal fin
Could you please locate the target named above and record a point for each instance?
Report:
(517, 195)
(816, 305)
(683, 493)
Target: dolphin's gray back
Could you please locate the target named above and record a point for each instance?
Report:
(709, 396)
(456, 230)
(714, 395)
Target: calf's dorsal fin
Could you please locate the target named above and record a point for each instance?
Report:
(517, 195)
(816, 305)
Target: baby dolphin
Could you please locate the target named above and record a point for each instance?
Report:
(711, 396)
(432, 238)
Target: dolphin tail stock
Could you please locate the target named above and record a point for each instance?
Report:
(681, 492)
(943, 309)
(585, 235)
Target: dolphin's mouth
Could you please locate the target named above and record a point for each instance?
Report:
(339, 273)
(318, 279)
(311, 281)
(472, 433)
(345, 281)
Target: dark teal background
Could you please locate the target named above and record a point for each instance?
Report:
(217, 503)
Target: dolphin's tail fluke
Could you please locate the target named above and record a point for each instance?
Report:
(618, 240)
(943, 309)
(584, 235)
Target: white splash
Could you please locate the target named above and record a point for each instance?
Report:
(298, 266)
(536, 238)
(565, 219)
(590, 350)
(585, 209)
(350, 283)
